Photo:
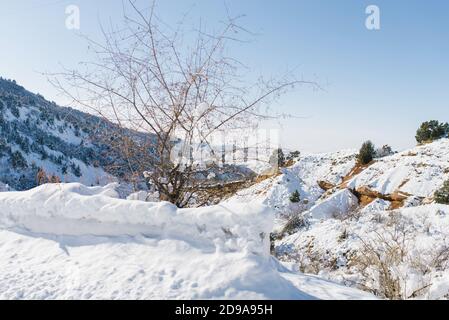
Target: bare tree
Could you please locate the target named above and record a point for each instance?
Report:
(179, 87)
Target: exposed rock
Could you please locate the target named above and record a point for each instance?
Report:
(367, 195)
(325, 185)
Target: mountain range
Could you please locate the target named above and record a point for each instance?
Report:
(40, 140)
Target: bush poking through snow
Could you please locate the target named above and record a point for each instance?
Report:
(293, 224)
(381, 259)
(431, 130)
(385, 151)
(366, 153)
(294, 197)
(442, 195)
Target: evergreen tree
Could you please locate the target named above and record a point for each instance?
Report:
(18, 161)
(294, 197)
(366, 153)
(431, 130)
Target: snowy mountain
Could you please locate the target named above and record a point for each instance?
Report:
(65, 144)
(373, 227)
(324, 227)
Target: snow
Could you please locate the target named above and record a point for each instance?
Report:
(4, 187)
(330, 167)
(333, 249)
(69, 241)
(419, 171)
(377, 205)
(139, 195)
(337, 230)
(77, 210)
(303, 176)
(337, 205)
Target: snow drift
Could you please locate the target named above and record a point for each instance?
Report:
(68, 241)
(337, 205)
(76, 210)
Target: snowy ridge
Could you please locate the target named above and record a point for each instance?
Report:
(419, 171)
(336, 206)
(416, 173)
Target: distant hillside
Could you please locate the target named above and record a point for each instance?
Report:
(37, 135)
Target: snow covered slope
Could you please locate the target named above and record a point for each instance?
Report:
(68, 241)
(69, 145)
(419, 171)
(4, 187)
(375, 228)
(411, 176)
(304, 176)
(400, 254)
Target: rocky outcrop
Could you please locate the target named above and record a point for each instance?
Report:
(367, 195)
(325, 185)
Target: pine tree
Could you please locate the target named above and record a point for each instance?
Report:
(18, 161)
(294, 197)
(431, 130)
(366, 153)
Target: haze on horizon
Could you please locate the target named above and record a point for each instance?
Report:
(377, 84)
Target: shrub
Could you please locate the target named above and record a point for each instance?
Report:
(382, 257)
(385, 151)
(366, 153)
(294, 197)
(442, 195)
(294, 224)
(431, 130)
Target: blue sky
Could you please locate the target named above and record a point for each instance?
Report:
(378, 85)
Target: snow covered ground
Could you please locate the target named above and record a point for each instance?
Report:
(68, 241)
(371, 228)
(395, 250)
(416, 174)
(419, 171)
(399, 254)
(303, 176)
(4, 187)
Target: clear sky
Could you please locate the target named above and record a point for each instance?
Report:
(378, 85)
